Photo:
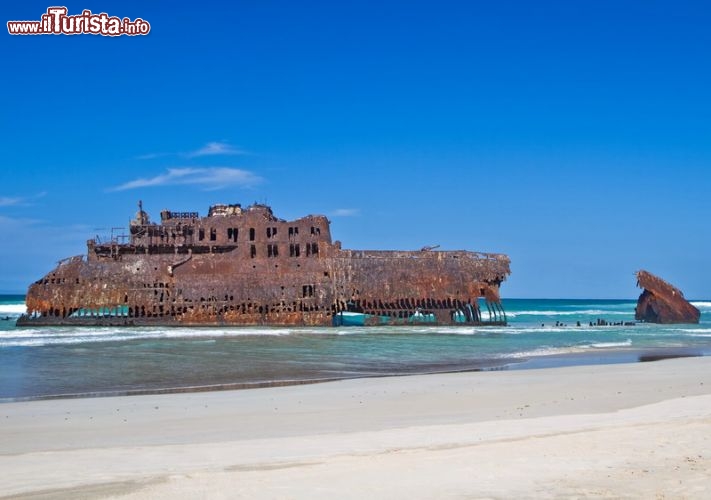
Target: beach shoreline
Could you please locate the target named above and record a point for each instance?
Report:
(589, 357)
(63, 362)
(620, 430)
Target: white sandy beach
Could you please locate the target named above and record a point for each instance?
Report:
(608, 431)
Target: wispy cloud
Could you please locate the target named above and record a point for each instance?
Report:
(210, 178)
(209, 149)
(13, 201)
(8, 201)
(345, 212)
(16, 222)
(151, 156)
(216, 148)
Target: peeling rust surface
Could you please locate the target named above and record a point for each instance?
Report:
(661, 302)
(244, 266)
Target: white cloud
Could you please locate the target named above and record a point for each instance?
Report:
(13, 201)
(151, 156)
(14, 223)
(345, 212)
(210, 178)
(209, 149)
(8, 201)
(216, 148)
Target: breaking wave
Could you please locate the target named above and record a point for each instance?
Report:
(602, 345)
(570, 349)
(543, 351)
(12, 309)
(29, 337)
(35, 337)
(582, 312)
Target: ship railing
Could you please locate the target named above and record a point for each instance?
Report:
(117, 237)
(410, 254)
(72, 260)
(116, 240)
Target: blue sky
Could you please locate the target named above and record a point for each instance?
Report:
(573, 136)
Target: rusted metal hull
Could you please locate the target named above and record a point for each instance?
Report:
(249, 268)
(661, 302)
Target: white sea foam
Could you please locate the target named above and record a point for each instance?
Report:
(561, 350)
(702, 306)
(602, 345)
(68, 336)
(581, 312)
(213, 332)
(692, 330)
(78, 335)
(534, 330)
(542, 351)
(12, 309)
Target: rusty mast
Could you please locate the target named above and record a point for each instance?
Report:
(244, 266)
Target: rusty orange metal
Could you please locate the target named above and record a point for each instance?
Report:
(244, 266)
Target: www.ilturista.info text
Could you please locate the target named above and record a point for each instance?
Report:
(56, 22)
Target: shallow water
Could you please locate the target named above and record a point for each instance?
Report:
(40, 362)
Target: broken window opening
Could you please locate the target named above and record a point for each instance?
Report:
(213, 234)
(294, 250)
(251, 234)
(232, 234)
(307, 291)
(201, 234)
(311, 249)
(272, 250)
(252, 251)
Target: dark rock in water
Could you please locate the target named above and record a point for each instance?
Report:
(661, 302)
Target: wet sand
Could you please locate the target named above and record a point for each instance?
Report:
(638, 430)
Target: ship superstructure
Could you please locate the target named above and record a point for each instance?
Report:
(244, 266)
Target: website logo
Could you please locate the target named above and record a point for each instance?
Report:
(56, 21)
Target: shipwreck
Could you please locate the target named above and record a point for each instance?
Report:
(661, 302)
(244, 266)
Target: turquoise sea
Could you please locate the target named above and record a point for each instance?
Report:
(70, 361)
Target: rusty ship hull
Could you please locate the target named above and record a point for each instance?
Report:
(246, 267)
